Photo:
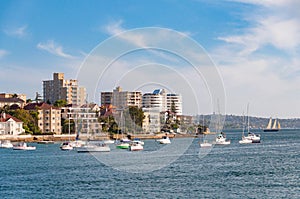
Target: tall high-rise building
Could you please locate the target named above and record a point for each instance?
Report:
(60, 88)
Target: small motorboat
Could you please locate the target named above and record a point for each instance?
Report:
(24, 146)
(66, 146)
(164, 140)
(135, 146)
(124, 144)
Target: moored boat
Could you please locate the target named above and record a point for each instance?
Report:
(221, 139)
(66, 146)
(205, 144)
(6, 144)
(45, 142)
(89, 147)
(24, 146)
(135, 146)
(124, 144)
(164, 140)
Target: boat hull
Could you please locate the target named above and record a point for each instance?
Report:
(123, 146)
(29, 148)
(205, 145)
(271, 130)
(87, 149)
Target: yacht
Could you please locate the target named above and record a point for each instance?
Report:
(24, 146)
(221, 139)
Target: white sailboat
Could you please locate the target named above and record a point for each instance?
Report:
(255, 138)
(272, 128)
(244, 140)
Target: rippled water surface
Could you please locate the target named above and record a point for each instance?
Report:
(270, 169)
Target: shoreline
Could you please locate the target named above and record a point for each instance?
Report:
(63, 137)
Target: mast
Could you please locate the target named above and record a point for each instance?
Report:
(248, 117)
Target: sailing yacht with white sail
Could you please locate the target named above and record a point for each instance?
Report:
(272, 128)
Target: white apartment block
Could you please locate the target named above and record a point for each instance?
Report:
(175, 99)
(60, 88)
(157, 99)
(10, 125)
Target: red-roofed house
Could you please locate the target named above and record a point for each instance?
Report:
(49, 118)
(10, 125)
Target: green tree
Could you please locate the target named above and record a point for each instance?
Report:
(29, 119)
(65, 126)
(136, 115)
(60, 103)
(173, 108)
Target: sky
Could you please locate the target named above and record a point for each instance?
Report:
(253, 44)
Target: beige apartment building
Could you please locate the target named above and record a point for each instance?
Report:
(60, 88)
(121, 99)
(49, 117)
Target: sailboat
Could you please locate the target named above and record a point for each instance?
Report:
(252, 136)
(274, 128)
(244, 140)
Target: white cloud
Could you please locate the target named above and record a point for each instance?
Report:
(275, 23)
(114, 27)
(19, 32)
(54, 48)
(261, 64)
(3, 53)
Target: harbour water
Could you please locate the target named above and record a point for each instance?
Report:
(267, 170)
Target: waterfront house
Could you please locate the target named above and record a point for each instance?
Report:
(10, 125)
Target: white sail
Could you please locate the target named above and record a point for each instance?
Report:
(279, 125)
(275, 124)
(270, 123)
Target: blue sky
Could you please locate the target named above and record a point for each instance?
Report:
(255, 44)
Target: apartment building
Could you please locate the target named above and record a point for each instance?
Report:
(49, 117)
(176, 101)
(85, 119)
(121, 99)
(60, 88)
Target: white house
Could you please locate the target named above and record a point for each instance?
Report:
(10, 125)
